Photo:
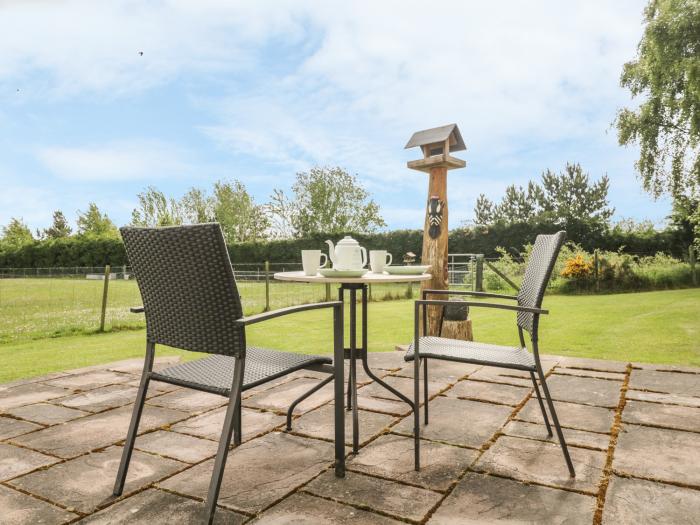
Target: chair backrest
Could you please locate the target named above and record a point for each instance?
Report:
(187, 286)
(539, 270)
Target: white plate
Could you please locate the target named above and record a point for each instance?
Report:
(406, 270)
(332, 272)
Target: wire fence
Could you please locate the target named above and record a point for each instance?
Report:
(48, 302)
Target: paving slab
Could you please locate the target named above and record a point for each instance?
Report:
(47, 413)
(11, 427)
(90, 380)
(15, 461)
(385, 496)
(155, 387)
(492, 392)
(681, 384)
(579, 438)
(394, 407)
(319, 423)
(391, 457)
(184, 448)
(669, 416)
(482, 499)
(542, 462)
(585, 390)
(135, 366)
(389, 361)
(101, 398)
(277, 461)
(459, 421)
(405, 386)
(646, 502)
(490, 374)
(16, 508)
(571, 415)
(658, 453)
(304, 508)
(189, 400)
(27, 394)
(210, 424)
(157, 507)
(666, 399)
(279, 397)
(97, 431)
(602, 365)
(615, 376)
(86, 483)
(449, 370)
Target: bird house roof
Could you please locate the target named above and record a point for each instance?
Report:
(435, 135)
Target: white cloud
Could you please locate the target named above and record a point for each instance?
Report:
(119, 161)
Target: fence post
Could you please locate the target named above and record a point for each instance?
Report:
(328, 292)
(692, 260)
(105, 289)
(596, 270)
(479, 272)
(409, 290)
(267, 286)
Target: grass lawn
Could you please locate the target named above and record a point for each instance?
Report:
(653, 327)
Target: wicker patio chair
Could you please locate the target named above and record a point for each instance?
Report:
(528, 308)
(191, 302)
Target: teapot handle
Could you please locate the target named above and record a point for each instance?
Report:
(364, 256)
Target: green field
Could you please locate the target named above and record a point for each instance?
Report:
(35, 308)
(653, 327)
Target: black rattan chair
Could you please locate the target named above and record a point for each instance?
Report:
(529, 299)
(191, 302)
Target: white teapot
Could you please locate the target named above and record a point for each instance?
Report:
(347, 255)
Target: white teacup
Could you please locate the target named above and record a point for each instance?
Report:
(311, 261)
(378, 259)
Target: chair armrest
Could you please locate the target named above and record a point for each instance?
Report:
(136, 309)
(478, 304)
(257, 318)
(467, 292)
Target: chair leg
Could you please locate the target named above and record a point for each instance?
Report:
(416, 413)
(425, 388)
(237, 423)
(135, 419)
(555, 420)
(225, 440)
(539, 399)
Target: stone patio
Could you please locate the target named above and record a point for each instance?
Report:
(633, 430)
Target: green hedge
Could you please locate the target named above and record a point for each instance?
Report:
(89, 251)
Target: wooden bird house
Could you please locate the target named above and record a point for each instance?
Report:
(437, 144)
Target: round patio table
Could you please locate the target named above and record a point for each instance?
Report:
(353, 352)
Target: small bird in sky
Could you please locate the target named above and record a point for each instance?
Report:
(140, 53)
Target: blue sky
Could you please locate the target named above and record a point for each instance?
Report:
(260, 90)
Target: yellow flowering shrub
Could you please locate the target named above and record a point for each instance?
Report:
(577, 268)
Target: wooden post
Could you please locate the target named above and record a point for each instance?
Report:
(435, 249)
(692, 261)
(267, 286)
(596, 270)
(479, 286)
(328, 292)
(105, 289)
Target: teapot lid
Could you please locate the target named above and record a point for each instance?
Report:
(347, 241)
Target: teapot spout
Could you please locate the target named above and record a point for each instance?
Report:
(331, 252)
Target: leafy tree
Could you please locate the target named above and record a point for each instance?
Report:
(59, 227)
(567, 200)
(155, 209)
(666, 73)
(240, 217)
(570, 197)
(197, 207)
(327, 200)
(95, 223)
(685, 219)
(16, 233)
